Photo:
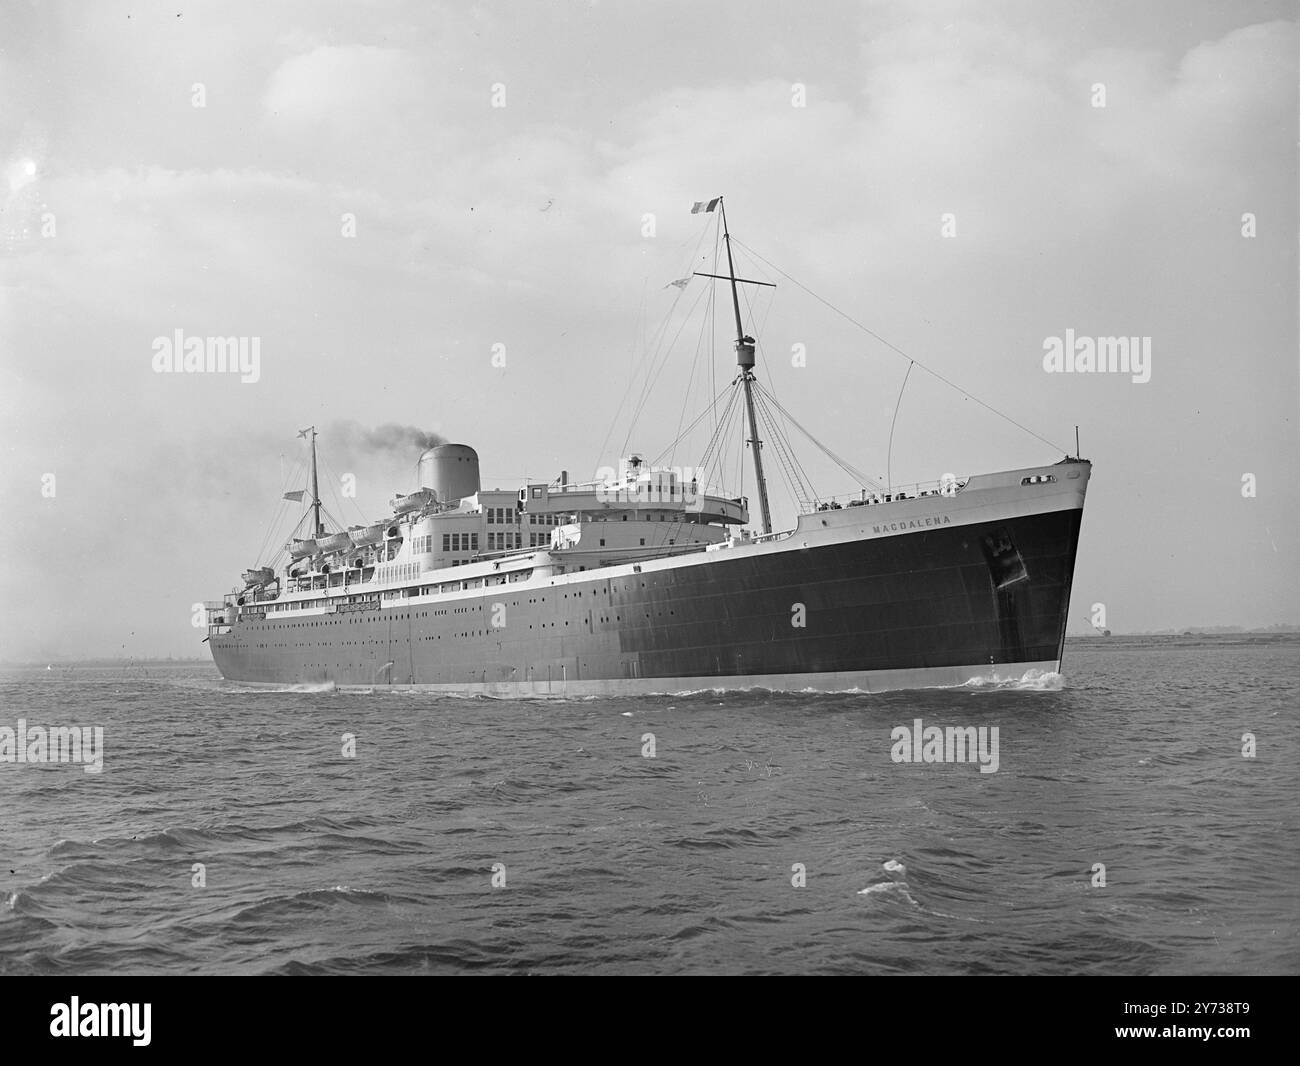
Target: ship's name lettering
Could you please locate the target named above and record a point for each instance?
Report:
(913, 523)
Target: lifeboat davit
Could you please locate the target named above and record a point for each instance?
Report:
(415, 501)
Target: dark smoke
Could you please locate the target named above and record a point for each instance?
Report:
(390, 437)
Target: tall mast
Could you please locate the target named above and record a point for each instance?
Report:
(315, 489)
(745, 360)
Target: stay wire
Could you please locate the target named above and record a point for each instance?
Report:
(895, 348)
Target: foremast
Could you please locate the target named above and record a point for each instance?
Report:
(745, 360)
(318, 529)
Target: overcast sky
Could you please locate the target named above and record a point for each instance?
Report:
(129, 213)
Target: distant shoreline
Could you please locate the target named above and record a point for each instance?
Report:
(1203, 631)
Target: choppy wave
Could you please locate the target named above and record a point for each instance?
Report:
(770, 832)
(895, 888)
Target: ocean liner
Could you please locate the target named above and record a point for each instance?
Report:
(646, 581)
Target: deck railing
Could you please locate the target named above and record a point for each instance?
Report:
(942, 487)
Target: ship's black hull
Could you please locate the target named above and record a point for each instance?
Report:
(931, 606)
(928, 599)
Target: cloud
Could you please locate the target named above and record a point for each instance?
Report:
(523, 227)
(344, 86)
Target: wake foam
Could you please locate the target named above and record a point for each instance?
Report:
(1030, 681)
(223, 685)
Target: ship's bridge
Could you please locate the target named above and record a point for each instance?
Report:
(637, 490)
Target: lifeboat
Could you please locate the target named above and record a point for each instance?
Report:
(361, 536)
(334, 543)
(415, 501)
(301, 549)
(263, 575)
